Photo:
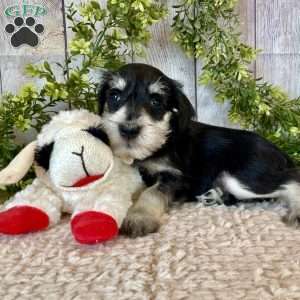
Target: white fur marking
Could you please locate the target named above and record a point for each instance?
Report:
(289, 192)
(117, 82)
(160, 165)
(242, 192)
(153, 134)
(157, 87)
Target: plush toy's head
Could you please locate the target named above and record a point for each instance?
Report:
(72, 150)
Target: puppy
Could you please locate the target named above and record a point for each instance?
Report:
(149, 120)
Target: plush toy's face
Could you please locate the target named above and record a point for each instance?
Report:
(78, 158)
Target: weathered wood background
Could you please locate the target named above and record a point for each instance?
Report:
(271, 25)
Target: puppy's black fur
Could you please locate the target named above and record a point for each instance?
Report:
(199, 154)
(204, 152)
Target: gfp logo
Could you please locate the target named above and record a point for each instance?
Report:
(24, 29)
(25, 10)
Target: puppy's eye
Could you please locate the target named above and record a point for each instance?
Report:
(115, 96)
(155, 101)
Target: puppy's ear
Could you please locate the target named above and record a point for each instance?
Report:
(183, 110)
(104, 86)
(42, 155)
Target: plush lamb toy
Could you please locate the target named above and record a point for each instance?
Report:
(76, 173)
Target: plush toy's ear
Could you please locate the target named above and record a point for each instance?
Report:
(19, 166)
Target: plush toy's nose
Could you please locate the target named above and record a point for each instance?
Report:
(87, 180)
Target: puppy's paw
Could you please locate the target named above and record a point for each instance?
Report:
(139, 223)
(292, 219)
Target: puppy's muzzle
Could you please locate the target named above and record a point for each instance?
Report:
(129, 131)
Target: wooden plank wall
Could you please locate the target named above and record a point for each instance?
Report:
(278, 35)
(272, 25)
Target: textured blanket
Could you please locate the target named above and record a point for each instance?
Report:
(200, 253)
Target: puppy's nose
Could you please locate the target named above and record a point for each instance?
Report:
(129, 131)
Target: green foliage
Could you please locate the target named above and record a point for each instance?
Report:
(104, 38)
(208, 30)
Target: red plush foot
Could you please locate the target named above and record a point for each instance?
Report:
(22, 219)
(92, 227)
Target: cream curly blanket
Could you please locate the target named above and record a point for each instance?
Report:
(200, 253)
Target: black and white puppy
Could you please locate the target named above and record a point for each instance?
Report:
(150, 120)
